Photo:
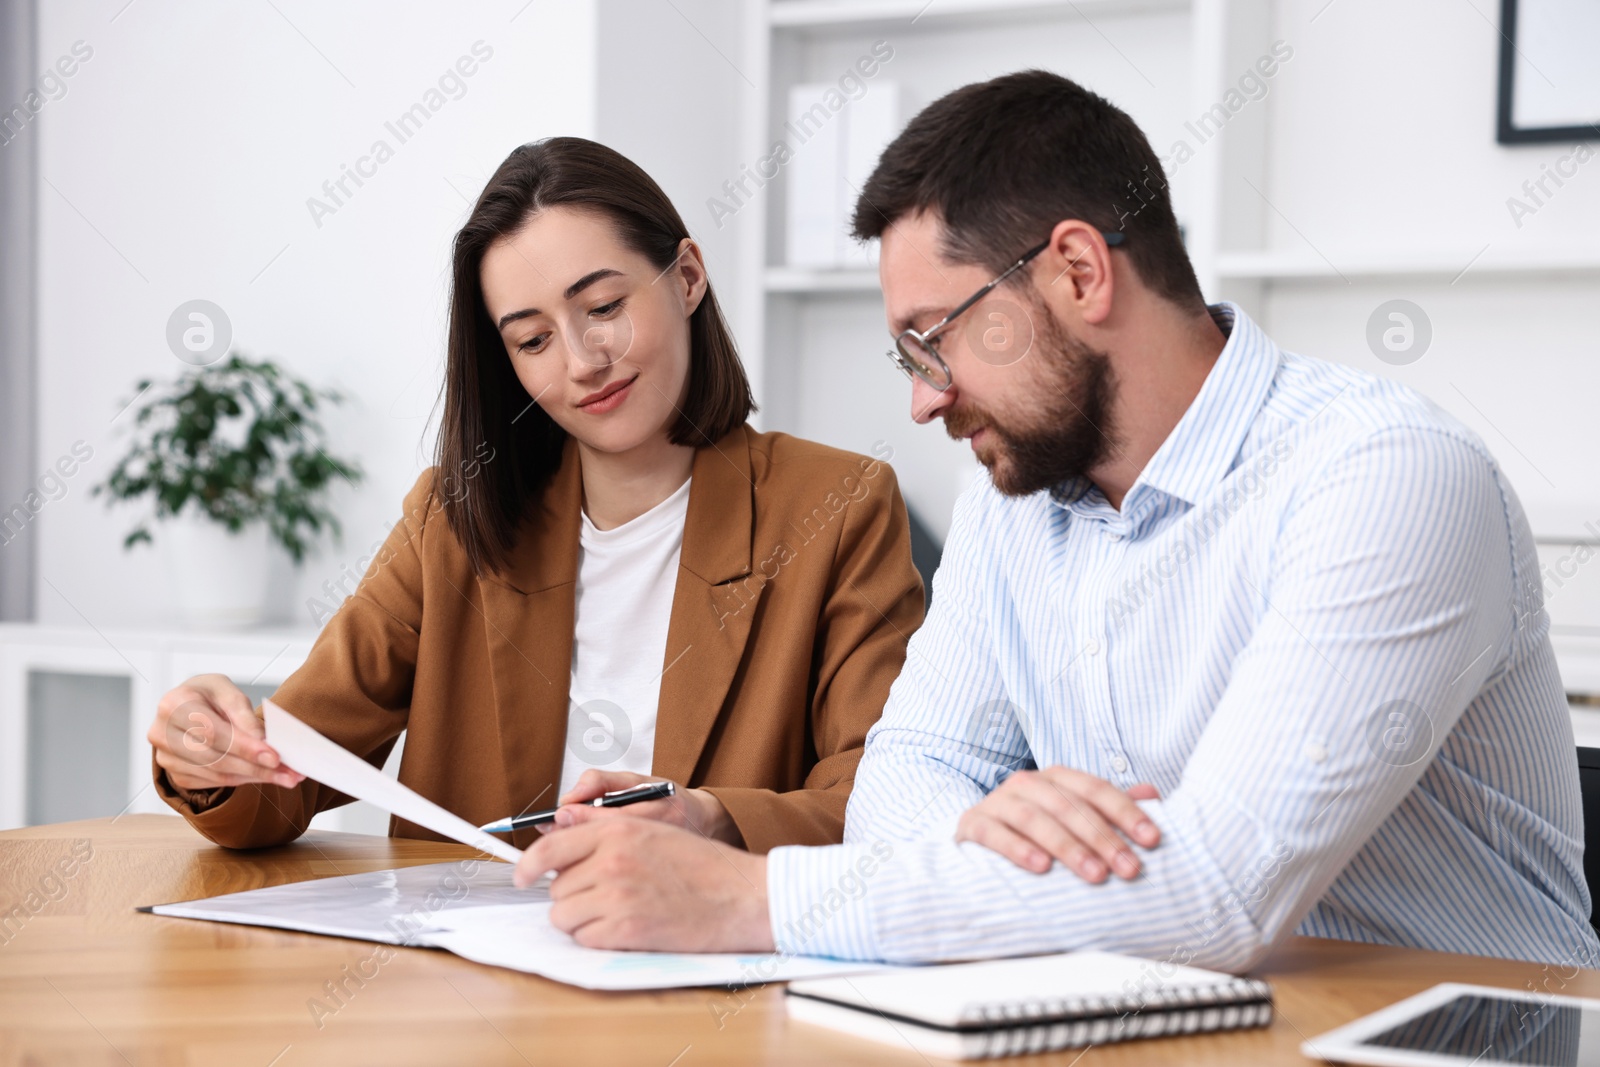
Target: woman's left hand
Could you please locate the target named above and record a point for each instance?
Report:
(692, 809)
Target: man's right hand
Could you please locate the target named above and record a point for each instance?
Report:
(1035, 818)
(206, 736)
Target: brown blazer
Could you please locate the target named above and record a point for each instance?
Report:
(795, 597)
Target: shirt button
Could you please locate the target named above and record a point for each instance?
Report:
(1114, 535)
(1316, 751)
(1119, 765)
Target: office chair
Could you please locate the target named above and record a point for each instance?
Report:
(925, 552)
(1589, 786)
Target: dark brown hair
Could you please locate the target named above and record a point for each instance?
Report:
(497, 449)
(1003, 161)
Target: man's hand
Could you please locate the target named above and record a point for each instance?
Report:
(206, 735)
(692, 809)
(640, 884)
(1037, 817)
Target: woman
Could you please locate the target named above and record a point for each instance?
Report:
(607, 577)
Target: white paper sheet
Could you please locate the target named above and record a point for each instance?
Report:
(387, 906)
(441, 906)
(304, 750)
(519, 936)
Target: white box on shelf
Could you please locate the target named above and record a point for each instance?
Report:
(815, 212)
(870, 123)
(835, 141)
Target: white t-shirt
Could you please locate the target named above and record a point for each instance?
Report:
(626, 578)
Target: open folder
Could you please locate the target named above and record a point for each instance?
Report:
(470, 906)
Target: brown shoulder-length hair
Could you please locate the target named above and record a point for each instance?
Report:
(497, 449)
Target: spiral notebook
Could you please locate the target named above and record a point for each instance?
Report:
(966, 1011)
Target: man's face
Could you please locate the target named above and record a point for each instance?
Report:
(1034, 401)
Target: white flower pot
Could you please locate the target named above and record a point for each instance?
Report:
(218, 579)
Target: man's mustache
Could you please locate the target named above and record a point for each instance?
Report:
(963, 423)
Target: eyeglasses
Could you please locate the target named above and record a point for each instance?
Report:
(913, 350)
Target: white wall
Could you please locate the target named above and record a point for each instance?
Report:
(668, 88)
(1382, 137)
(178, 165)
(1381, 144)
(194, 135)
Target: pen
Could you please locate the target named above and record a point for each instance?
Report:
(619, 799)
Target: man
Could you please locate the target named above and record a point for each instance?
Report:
(1272, 626)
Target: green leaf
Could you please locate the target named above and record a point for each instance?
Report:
(242, 441)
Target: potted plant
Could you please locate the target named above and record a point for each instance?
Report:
(231, 457)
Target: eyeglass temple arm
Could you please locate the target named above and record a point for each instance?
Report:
(1112, 239)
(986, 290)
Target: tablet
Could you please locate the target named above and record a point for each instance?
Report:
(1455, 1025)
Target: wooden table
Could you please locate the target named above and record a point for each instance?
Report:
(87, 979)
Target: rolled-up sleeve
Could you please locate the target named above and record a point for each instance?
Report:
(355, 688)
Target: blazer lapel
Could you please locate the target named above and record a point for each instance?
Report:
(529, 616)
(712, 606)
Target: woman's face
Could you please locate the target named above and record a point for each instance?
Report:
(597, 335)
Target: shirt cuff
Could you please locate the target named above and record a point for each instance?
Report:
(817, 898)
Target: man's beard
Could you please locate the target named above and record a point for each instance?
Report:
(1073, 432)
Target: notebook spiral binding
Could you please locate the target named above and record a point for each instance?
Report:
(1047, 1025)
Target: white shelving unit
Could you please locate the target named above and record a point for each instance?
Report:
(798, 281)
(821, 333)
(1478, 264)
(116, 767)
(1516, 293)
(893, 14)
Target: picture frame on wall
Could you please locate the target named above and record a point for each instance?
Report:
(1549, 89)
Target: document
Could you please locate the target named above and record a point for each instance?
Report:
(304, 750)
(520, 937)
(391, 906)
(468, 907)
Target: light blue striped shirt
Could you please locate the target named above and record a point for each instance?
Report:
(1315, 625)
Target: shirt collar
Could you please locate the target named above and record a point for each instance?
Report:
(1205, 443)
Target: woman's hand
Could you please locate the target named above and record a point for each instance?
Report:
(692, 809)
(206, 736)
(1037, 817)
